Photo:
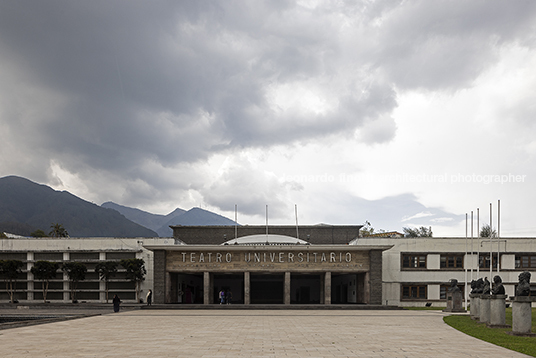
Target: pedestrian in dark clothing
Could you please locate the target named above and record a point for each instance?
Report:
(116, 302)
(228, 297)
(149, 297)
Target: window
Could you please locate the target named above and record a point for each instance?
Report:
(48, 256)
(414, 292)
(451, 261)
(413, 261)
(483, 262)
(526, 261)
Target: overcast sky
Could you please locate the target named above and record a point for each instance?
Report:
(402, 113)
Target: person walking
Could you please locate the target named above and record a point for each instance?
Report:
(149, 298)
(228, 296)
(117, 302)
(222, 297)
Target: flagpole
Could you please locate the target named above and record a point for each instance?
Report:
(472, 248)
(478, 246)
(465, 264)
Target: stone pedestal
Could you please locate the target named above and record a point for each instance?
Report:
(522, 315)
(475, 305)
(454, 302)
(497, 312)
(484, 308)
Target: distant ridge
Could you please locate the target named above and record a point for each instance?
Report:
(26, 206)
(161, 223)
(196, 217)
(144, 218)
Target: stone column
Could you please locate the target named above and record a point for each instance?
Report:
(375, 277)
(168, 288)
(247, 297)
(484, 308)
(66, 283)
(206, 288)
(159, 273)
(475, 306)
(366, 289)
(327, 288)
(522, 315)
(497, 311)
(30, 277)
(286, 299)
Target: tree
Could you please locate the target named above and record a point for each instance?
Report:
(486, 231)
(38, 233)
(3, 235)
(76, 271)
(58, 231)
(10, 271)
(368, 230)
(135, 272)
(106, 270)
(45, 271)
(418, 232)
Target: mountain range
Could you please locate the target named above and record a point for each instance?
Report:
(26, 206)
(161, 223)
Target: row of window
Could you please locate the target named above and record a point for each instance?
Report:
(450, 261)
(420, 292)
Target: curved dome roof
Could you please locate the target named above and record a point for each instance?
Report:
(269, 239)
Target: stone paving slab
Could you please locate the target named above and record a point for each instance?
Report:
(196, 333)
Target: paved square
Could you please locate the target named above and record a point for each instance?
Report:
(256, 333)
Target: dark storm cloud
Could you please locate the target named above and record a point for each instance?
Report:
(130, 88)
(136, 78)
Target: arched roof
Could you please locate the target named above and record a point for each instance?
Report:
(269, 239)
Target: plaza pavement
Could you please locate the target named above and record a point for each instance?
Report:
(248, 333)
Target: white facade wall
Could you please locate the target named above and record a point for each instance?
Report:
(66, 246)
(433, 276)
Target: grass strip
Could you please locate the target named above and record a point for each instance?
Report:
(498, 336)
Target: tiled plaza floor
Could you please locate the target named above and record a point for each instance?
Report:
(256, 333)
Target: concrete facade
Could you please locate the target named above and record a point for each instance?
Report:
(383, 278)
(313, 271)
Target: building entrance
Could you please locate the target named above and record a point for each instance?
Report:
(186, 288)
(348, 288)
(267, 288)
(229, 283)
(305, 288)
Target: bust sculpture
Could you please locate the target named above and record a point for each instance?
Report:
(498, 288)
(454, 286)
(476, 286)
(486, 290)
(523, 287)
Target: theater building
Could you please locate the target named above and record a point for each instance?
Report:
(261, 265)
(317, 264)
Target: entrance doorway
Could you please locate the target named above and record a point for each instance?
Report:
(186, 288)
(267, 288)
(305, 288)
(233, 283)
(344, 288)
